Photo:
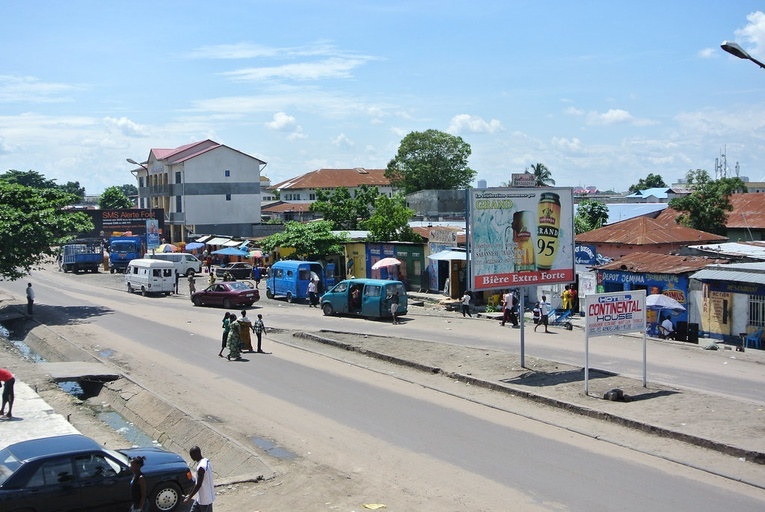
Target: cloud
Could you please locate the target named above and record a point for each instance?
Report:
(467, 123)
(754, 33)
(323, 69)
(612, 116)
(285, 123)
(708, 53)
(573, 145)
(342, 141)
(255, 51)
(573, 111)
(27, 89)
(125, 126)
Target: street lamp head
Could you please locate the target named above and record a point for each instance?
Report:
(735, 49)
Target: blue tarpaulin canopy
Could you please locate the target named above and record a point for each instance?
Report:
(232, 251)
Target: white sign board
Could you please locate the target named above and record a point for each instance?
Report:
(615, 312)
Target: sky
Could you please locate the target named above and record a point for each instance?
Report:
(601, 92)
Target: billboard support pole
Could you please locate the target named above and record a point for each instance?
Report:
(522, 315)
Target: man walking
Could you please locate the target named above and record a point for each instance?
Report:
(204, 485)
(545, 313)
(192, 285)
(30, 298)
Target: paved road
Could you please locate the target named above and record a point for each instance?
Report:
(419, 441)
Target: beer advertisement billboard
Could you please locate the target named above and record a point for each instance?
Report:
(520, 237)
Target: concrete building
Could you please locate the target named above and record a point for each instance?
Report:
(203, 187)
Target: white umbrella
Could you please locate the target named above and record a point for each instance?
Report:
(659, 301)
(385, 262)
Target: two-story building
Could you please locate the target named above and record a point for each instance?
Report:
(203, 187)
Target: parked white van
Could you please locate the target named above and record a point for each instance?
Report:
(150, 276)
(186, 264)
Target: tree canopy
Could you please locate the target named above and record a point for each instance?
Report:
(650, 181)
(31, 223)
(342, 210)
(542, 175)
(706, 207)
(590, 215)
(430, 160)
(130, 191)
(390, 221)
(311, 240)
(113, 198)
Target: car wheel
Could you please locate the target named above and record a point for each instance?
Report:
(111, 270)
(227, 303)
(143, 291)
(249, 304)
(327, 309)
(289, 297)
(269, 294)
(130, 288)
(165, 497)
(196, 301)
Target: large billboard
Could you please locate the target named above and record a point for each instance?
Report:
(520, 237)
(115, 222)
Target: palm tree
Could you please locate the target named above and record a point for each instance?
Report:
(542, 175)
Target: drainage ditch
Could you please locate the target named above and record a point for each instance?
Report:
(83, 390)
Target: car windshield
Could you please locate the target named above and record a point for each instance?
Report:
(8, 464)
(238, 286)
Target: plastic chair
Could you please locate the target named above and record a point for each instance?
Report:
(494, 300)
(753, 339)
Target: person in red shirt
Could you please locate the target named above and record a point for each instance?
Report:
(7, 381)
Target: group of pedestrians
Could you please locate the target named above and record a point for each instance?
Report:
(236, 335)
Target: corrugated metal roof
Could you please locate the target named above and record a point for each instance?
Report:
(752, 273)
(333, 178)
(618, 212)
(659, 263)
(645, 231)
(748, 212)
(281, 207)
(754, 250)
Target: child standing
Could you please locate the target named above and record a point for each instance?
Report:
(259, 328)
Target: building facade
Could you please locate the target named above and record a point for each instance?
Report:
(203, 187)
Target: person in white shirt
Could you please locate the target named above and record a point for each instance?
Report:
(30, 298)
(667, 330)
(466, 304)
(204, 488)
(544, 309)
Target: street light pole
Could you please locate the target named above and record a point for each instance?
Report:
(151, 209)
(736, 50)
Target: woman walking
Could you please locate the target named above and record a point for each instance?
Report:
(234, 342)
(226, 329)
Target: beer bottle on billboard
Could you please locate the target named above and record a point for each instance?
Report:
(548, 228)
(524, 244)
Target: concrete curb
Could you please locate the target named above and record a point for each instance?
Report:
(750, 455)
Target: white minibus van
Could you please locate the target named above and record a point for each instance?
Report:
(186, 264)
(150, 276)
